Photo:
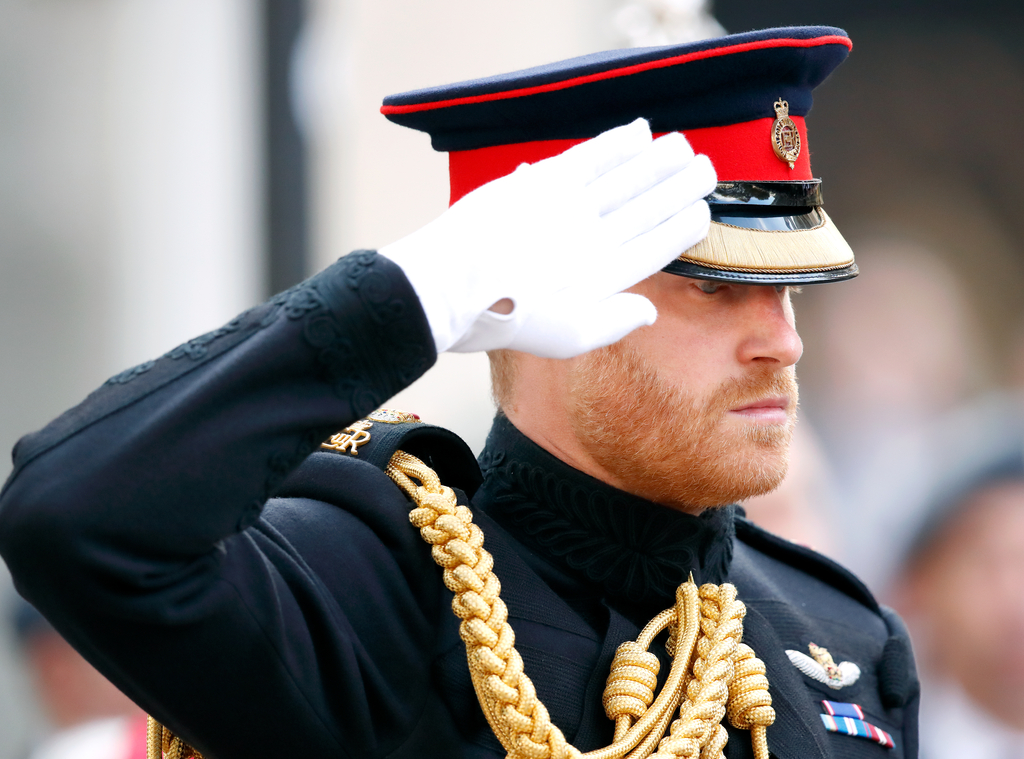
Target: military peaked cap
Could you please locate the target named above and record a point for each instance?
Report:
(740, 99)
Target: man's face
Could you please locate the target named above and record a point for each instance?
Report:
(698, 409)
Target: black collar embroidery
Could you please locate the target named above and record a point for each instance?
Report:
(631, 548)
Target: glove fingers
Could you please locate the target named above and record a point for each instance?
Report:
(661, 202)
(645, 255)
(571, 327)
(662, 159)
(582, 164)
(624, 265)
(669, 240)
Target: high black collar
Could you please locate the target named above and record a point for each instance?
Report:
(631, 548)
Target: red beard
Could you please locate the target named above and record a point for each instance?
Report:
(672, 447)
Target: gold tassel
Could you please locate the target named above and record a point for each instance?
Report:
(732, 248)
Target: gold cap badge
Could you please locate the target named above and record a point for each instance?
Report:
(785, 136)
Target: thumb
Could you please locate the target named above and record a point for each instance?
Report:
(610, 320)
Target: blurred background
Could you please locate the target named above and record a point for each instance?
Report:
(164, 164)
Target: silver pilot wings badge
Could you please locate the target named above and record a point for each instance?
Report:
(823, 668)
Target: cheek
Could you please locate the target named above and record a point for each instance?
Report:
(688, 354)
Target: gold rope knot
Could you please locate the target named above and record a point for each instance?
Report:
(631, 682)
(750, 703)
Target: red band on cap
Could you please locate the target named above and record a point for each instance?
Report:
(624, 71)
(739, 153)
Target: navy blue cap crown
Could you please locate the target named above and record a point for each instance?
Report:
(716, 82)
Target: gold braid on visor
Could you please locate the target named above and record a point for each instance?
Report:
(769, 233)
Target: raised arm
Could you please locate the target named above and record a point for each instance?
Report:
(133, 521)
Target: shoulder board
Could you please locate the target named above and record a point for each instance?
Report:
(376, 438)
(806, 560)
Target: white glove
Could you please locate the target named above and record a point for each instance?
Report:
(561, 238)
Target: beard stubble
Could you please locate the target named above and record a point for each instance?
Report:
(672, 447)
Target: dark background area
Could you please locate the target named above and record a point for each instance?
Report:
(918, 136)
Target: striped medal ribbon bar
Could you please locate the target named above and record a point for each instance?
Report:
(857, 728)
(841, 709)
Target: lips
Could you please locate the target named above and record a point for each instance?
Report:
(773, 410)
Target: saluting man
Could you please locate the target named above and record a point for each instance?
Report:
(225, 531)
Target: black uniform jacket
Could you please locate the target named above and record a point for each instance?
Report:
(263, 601)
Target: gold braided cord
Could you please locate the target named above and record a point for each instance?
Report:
(506, 694)
(154, 738)
(161, 743)
(713, 674)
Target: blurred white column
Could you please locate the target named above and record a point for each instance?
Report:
(183, 149)
(646, 23)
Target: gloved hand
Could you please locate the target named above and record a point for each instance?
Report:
(561, 239)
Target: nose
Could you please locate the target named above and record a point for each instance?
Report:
(770, 336)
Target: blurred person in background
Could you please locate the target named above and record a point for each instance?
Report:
(89, 716)
(961, 591)
(901, 349)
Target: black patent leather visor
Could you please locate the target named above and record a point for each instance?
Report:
(788, 220)
(768, 206)
(767, 194)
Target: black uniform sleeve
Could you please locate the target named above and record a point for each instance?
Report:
(133, 523)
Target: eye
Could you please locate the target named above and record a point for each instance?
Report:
(708, 287)
(783, 288)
